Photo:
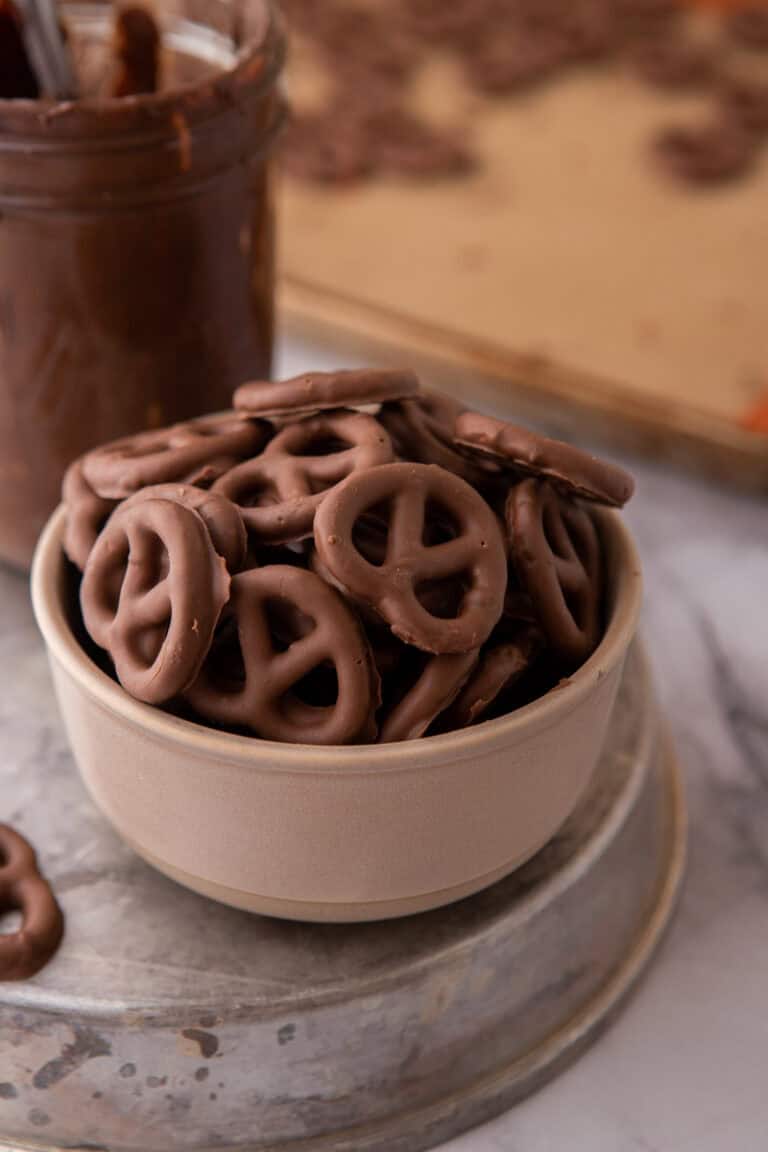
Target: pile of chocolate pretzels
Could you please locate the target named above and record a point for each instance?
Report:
(342, 558)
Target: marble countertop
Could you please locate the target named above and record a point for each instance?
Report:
(683, 1068)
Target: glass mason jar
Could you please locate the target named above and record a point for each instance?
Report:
(136, 248)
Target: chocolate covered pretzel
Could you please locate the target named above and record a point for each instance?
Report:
(556, 553)
(476, 552)
(435, 688)
(23, 889)
(279, 492)
(265, 695)
(422, 429)
(338, 576)
(716, 151)
(87, 514)
(567, 468)
(197, 451)
(500, 666)
(318, 391)
(152, 593)
(221, 517)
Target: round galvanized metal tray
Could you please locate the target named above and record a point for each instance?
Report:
(170, 1021)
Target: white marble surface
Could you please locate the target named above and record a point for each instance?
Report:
(684, 1067)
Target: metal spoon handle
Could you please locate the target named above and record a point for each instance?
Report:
(48, 48)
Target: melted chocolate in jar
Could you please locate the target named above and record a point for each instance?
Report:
(136, 265)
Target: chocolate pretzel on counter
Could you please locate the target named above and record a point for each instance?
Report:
(23, 889)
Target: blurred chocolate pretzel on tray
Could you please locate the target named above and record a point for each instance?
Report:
(370, 54)
(558, 203)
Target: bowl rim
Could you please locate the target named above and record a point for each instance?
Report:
(204, 742)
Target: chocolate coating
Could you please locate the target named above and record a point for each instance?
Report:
(23, 889)
(318, 391)
(434, 690)
(322, 586)
(711, 153)
(221, 517)
(422, 429)
(748, 25)
(152, 594)
(476, 552)
(191, 452)
(279, 492)
(137, 51)
(136, 266)
(674, 62)
(264, 697)
(746, 102)
(87, 514)
(569, 469)
(556, 553)
(500, 666)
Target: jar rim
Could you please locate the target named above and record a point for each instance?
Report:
(257, 65)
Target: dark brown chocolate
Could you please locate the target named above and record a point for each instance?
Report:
(23, 889)
(715, 152)
(745, 102)
(501, 665)
(87, 513)
(152, 593)
(198, 450)
(267, 697)
(143, 293)
(319, 148)
(221, 517)
(371, 597)
(422, 430)
(748, 26)
(137, 52)
(372, 55)
(17, 76)
(567, 468)
(439, 680)
(557, 557)
(475, 551)
(674, 62)
(279, 492)
(320, 391)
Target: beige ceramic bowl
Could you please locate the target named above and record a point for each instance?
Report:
(342, 833)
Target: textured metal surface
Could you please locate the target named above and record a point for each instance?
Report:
(168, 1021)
